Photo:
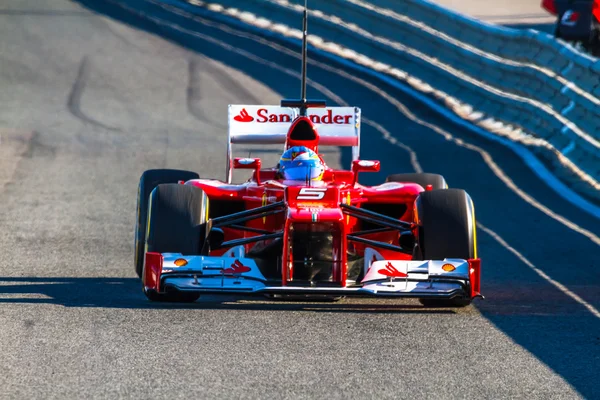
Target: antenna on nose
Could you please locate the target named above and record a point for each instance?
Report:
(304, 51)
(303, 103)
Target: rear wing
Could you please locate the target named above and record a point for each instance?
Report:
(337, 126)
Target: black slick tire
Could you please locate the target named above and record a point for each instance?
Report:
(148, 181)
(447, 229)
(424, 179)
(176, 224)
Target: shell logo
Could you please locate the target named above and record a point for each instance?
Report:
(180, 262)
(448, 267)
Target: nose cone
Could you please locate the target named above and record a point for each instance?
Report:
(303, 132)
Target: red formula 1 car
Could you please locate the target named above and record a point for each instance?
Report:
(302, 228)
(330, 237)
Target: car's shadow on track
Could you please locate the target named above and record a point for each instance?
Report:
(126, 293)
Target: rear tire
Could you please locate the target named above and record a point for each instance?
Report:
(148, 181)
(446, 230)
(176, 224)
(424, 179)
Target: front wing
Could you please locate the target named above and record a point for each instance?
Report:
(444, 279)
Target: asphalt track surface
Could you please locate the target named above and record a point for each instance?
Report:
(92, 97)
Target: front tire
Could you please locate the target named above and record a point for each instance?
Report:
(447, 229)
(148, 181)
(176, 224)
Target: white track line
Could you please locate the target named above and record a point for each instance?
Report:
(387, 136)
(538, 271)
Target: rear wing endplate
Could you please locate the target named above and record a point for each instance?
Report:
(337, 126)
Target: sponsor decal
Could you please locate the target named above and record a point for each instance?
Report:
(329, 119)
(246, 161)
(392, 272)
(366, 163)
(243, 116)
(180, 262)
(263, 116)
(236, 268)
(448, 267)
(570, 18)
(311, 193)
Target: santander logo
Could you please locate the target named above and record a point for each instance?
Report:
(392, 272)
(236, 268)
(243, 116)
(263, 116)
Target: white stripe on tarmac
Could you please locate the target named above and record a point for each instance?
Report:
(538, 271)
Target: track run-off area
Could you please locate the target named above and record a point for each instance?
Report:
(95, 92)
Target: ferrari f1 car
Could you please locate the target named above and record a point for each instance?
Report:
(408, 237)
(302, 229)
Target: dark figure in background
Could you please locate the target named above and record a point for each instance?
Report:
(578, 21)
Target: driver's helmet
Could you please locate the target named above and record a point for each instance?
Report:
(299, 163)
